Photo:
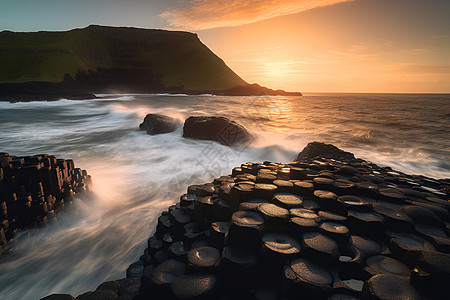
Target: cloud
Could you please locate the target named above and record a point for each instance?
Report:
(421, 69)
(206, 14)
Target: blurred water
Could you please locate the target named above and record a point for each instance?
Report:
(136, 176)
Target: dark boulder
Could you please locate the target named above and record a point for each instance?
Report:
(156, 124)
(326, 150)
(219, 129)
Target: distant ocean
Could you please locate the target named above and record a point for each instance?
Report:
(137, 176)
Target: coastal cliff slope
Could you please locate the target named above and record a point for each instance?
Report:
(171, 59)
(100, 59)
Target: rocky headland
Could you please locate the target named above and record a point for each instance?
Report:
(79, 63)
(326, 226)
(33, 189)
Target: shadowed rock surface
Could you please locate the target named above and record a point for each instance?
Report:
(345, 242)
(219, 129)
(157, 124)
(33, 187)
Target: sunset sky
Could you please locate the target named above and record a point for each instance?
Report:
(304, 45)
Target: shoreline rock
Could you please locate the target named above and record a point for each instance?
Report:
(219, 129)
(324, 227)
(32, 188)
(158, 124)
(50, 91)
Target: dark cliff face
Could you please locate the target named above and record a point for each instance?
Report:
(107, 56)
(101, 59)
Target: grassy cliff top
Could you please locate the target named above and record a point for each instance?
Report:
(180, 58)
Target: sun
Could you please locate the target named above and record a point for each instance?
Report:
(279, 69)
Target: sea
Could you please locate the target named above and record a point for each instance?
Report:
(136, 176)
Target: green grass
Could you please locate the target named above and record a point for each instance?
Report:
(181, 59)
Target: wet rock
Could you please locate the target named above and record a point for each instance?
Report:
(273, 215)
(33, 187)
(239, 256)
(323, 183)
(301, 225)
(109, 285)
(408, 247)
(246, 229)
(284, 186)
(326, 199)
(265, 191)
(386, 286)
(329, 216)
(219, 129)
(432, 274)
(349, 202)
(320, 246)
(281, 243)
(342, 297)
(203, 257)
(394, 218)
(252, 204)
(298, 173)
(392, 195)
(241, 192)
(337, 231)
(288, 200)
(218, 234)
(325, 150)
(304, 188)
(380, 264)
(348, 170)
(135, 270)
(365, 245)
(311, 280)
(434, 235)
(157, 124)
(59, 297)
(304, 213)
(191, 286)
(366, 223)
(315, 229)
(423, 215)
(177, 249)
(99, 295)
(129, 287)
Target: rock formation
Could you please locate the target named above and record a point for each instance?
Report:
(219, 129)
(78, 63)
(328, 226)
(157, 124)
(33, 187)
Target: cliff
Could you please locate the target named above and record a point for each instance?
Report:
(100, 59)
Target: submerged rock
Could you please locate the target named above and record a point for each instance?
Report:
(157, 124)
(219, 129)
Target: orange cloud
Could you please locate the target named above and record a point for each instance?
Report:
(205, 14)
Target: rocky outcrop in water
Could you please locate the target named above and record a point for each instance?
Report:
(157, 124)
(255, 90)
(322, 227)
(219, 129)
(33, 187)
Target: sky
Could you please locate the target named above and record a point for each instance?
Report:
(390, 46)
